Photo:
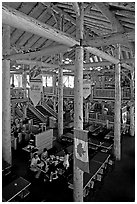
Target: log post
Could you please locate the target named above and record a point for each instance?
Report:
(60, 102)
(132, 114)
(6, 106)
(78, 104)
(24, 82)
(117, 117)
(54, 91)
(86, 112)
(60, 90)
(13, 79)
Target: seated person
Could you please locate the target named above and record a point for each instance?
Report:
(66, 159)
(36, 162)
(52, 167)
(44, 154)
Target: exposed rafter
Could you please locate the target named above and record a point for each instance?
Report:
(116, 26)
(76, 8)
(59, 11)
(22, 21)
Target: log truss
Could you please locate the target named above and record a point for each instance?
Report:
(36, 39)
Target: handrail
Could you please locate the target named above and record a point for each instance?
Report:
(110, 93)
(19, 92)
(18, 112)
(37, 113)
(49, 109)
(101, 117)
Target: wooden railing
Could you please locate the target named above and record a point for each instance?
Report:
(19, 93)
(18, 112)
(50, 110)
(37, 113)
(110, 93)
(101, 117)
(48, 90)
(68, 91)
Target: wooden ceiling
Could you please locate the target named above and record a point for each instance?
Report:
(105, 25)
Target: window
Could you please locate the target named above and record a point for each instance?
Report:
(18, 80)
(47, 80)
(68, 81)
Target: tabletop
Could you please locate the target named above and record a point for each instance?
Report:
(5, 165)
(101, 157)
(14, 188)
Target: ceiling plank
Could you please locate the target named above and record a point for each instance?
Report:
(60, 11)
(116, 26)
(21, 21)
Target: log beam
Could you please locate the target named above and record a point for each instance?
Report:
(37, 63)
(21, 21)
(48, 51)
(100, 64)
(113, 39)
(105, 56)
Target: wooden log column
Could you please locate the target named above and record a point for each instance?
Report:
(132, 111)
(54, 91)
(86, 112)
(24, 82)
(60, 102)
(78, 105)
(117, 116)
(6, 106)
(60, 87)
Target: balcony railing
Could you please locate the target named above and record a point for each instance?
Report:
(110, 93)
(101, 117)
(17, 93)
(48, 90)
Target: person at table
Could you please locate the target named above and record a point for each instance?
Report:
(44, 154)
(66, 159)
(35, 163)
(52, 168)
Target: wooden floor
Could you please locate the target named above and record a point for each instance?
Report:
(117, 186)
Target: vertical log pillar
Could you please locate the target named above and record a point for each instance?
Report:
(25, 110)
(78, 104)
(6, 107)
(117, 117)
(60, 88)
(132, 112)
(13, 111)
(60, 102)
(54, 91)
(24, 83)
(12, 78)
(86, 112)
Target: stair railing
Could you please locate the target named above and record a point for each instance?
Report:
(49, 109)
(37, 113)
(18, 112)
